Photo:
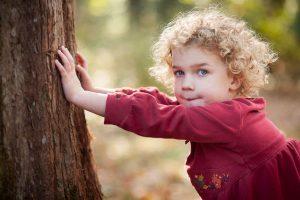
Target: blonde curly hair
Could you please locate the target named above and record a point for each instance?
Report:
(246, 55)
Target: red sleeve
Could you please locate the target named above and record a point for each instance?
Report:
(153, 91)
(142, 114)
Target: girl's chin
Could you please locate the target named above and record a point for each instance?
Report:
(196, 102)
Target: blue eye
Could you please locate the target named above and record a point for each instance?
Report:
(202, 72)
(178, 73)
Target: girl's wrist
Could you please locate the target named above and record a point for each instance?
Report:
(89, 88)
(86, 85)
(90, 101)
(76, 97)
(92, 88)
(102, 90)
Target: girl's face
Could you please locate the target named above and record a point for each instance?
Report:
(200, 77)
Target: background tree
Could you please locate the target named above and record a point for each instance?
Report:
(44, 142)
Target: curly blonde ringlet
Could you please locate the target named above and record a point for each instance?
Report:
(244, 52)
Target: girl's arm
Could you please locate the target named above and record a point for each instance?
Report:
(86, 83)
(142, 114)
(91, 101)
(74, 93)
(103, 90)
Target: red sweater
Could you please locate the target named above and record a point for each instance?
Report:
(236, 151)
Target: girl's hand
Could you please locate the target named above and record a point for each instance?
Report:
(85, 78)
(70, 81)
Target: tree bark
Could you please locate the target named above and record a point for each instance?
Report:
(44, 142)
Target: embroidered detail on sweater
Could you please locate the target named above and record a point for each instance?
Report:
(216, 181)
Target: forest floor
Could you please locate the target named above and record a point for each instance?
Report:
(131, 167)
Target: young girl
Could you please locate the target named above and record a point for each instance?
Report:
(216, 66)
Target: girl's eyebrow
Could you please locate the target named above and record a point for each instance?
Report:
(192, 66)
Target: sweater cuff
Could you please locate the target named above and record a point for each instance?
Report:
(117, 111)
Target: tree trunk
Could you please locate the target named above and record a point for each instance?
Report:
(44, 142)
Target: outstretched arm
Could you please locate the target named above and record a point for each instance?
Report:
(86, 83)
(74, 93)
(91, 101)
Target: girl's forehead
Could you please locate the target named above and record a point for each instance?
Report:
(194, 54)
(196, 49)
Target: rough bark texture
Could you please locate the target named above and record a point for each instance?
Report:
(44, 142)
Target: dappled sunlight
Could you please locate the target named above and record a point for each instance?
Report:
(96, 7)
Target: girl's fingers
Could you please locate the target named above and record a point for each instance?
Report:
(79, 56)
(80, 69)
(81, 60)
(68, 54)
(60, 67)
(64, 60)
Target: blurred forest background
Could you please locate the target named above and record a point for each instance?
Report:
(115, 36)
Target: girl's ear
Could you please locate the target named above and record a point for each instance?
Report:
(236, 83)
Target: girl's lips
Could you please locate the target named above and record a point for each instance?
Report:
(189, 102)
(191, 99)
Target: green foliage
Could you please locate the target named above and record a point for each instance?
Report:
(274, 21)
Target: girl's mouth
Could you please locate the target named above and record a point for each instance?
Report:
(191, 99)
(195, 101)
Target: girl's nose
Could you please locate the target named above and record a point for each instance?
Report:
(187, 83)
